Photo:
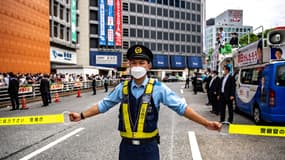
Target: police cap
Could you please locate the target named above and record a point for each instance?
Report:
(139, 52)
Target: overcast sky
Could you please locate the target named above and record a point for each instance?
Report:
(269, 13)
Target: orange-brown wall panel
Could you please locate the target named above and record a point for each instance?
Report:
(24, 36)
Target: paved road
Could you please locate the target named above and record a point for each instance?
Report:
(97, 137)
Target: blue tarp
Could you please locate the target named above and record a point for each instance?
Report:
(194, 62)
(106, 59)
(177, 62)
(160, 61)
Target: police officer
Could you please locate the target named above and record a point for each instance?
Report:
(138, 113)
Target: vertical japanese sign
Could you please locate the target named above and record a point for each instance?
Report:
(110, 23)
(118, 22)
(102, 32)
(73, 21)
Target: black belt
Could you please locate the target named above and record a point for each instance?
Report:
(141, 141)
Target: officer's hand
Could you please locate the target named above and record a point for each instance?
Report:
(74, 117)
(213, 125)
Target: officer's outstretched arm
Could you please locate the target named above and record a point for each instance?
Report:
(92, 111)
(194, 116)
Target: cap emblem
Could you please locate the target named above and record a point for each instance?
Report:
(138, 50)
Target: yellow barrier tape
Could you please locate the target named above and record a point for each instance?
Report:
(28, 120)
(257, 130)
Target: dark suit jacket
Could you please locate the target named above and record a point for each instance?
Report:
(44, 86)
(229, 89)
(215, 87)
(13, 87)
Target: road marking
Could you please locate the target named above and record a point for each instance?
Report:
(194, 146)
(181, 90)
(31, 155)
(172, 137)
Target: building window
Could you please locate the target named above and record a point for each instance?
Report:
(146, 22)
(153, 35)
(193, 28)
(125, 19)
(194, 49)
(159, 11)
(171, 48)
(177, 48)
(67, 34)
(139, 21)
(188, 5)
(198, 7)
(165, 47)
(153, 46)
(94, 43)
(171, 36)
(165, 12)
(133, 7)
(165, 36)
(198, 49)
(183, 48)
(146, 10)
(159, 23)
(177, 14)
(171, 13)
(165, 24)
(183, 15)
(183, 28)
(198, 39)
(193, 17)
(198, 28)
(67, 15)
(133, 19)
(146, 44)
(153, 22)
(140, 9)
(140, 33)
(153, 10)
(126, 32)
(61, 10)
(182, 4)
(94, 15)
(165, 2)
(146, 34)
(198, 18)
(193, 6)
(177, 37)
(171, 25)
(177, 3)
(93, 3)
(188, 16)
(93, 28)
(188, 49)
(171, 2)
(193, 39)
(159, 35)
(133, 32)
(125, 6)
(55, 6)
(183, 37)
(55, 29)
(125, 44)
(159, 47)
(188, 38)
(177, 25)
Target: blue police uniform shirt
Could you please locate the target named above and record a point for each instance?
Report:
(160, 94)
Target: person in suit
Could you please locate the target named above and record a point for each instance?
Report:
(214, 92)
(227, 94)
(44, 89)
(194, 83)
(94, 84)
(207, 81)
(13, 90)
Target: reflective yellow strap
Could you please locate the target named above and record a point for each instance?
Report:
(126, 118)
(142, 117)
(149, 86)
(125, 88)
(257, 130)
(28, 120)
(139, 135)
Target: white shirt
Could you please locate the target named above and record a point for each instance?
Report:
(212, 81)
(224, 82)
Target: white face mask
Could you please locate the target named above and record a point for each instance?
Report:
(138, 72)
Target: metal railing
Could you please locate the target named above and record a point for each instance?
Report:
(32, 91)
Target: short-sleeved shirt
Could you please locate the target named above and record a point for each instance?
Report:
(161, 94)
